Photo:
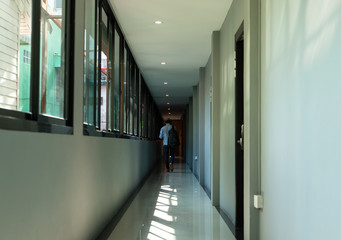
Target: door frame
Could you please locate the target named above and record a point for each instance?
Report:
(239, 129)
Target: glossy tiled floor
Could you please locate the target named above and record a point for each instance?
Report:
(171, 206)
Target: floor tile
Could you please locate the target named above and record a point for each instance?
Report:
(171, 206)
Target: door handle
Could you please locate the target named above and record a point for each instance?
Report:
(240, 141)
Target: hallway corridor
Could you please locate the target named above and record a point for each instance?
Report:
(171, 206)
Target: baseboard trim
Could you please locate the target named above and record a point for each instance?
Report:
(227, 220)
(208, 191)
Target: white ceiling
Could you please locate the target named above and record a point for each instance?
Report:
(183, 41)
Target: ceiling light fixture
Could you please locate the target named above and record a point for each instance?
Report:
(158, 22)
(165, 83)
(168, 103)
(163, 63)
(167, 95)
(168, 109)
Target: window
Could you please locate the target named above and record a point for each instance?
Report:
(149, 116)
(52, 80)
(110, 90)
(140, 107)
(125, 83)
(27, 57)
(105, 77)
(36, 65)
(117, 85)
(115, 95)
(136, 101)
(131, 96)
(97, 69)
(89, 64)
(143, 110)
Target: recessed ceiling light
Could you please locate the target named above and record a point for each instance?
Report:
(169, 113)
(163, 63)
(168, 103)
(168, 109)
(158, 22)
(165, 83)
(167, 95)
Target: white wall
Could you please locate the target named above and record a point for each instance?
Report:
(67, 186)
(207, 125)
(231, 25)
(189, 134)
(301, 119)
(215, 121)
(222, 63)
(204, 127)
(201, 125)
(196, 131)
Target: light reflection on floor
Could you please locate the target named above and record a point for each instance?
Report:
(171, 206)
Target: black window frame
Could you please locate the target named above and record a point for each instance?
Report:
(132, 87)
(34, 121)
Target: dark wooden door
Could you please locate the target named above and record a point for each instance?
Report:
(239, 143)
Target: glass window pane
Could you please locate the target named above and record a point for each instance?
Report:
(97, 70)
(136, 89)
(52, 50)
(139, 107)
(131, 97)
(125, 64)
(149, 115)
(128, 93)
(117, 82)
(104, 72)
(143, 110)
(110, 112)
(89, 62)
(15, 55)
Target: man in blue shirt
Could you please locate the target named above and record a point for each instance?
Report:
(164, 135)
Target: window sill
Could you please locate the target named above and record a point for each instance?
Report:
(92, 131)
(18, 121)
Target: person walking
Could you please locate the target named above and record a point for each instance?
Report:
(164, 134)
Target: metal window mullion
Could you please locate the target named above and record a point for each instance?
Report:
(126, 92)
(69, 63)
(64, 50)
(35, 60)
(135, 101)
